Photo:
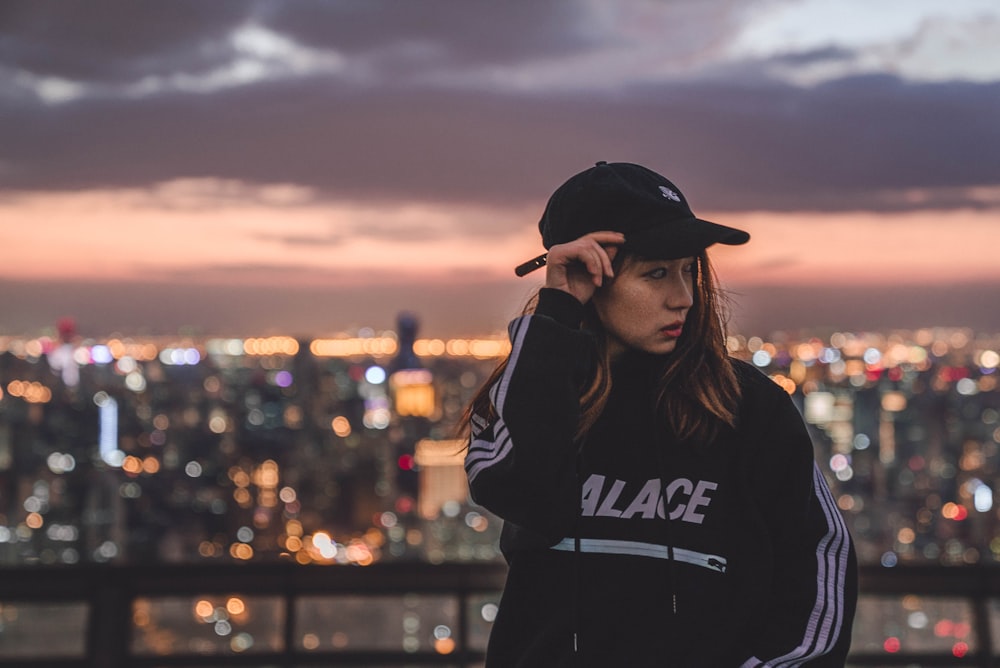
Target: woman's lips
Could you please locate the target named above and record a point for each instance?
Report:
(673, 330)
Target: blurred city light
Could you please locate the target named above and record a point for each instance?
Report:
(329, 452)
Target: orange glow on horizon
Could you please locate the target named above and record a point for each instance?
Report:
(190, 238)
(188, 233)
(860, 248)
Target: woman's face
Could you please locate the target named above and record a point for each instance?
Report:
(644, 307)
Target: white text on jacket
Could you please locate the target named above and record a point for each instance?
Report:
(647, 503)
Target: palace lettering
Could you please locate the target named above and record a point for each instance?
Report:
(692, 497)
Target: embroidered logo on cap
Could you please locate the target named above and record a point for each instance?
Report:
(670, 194)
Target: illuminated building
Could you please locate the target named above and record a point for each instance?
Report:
(178, 449)
(61, 357)
(413, 401)
(442, 475)
(413, 393)
(339, 451)
(412, 385)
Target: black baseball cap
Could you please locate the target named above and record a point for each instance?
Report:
(624, 197)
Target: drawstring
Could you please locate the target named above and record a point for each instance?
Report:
(577, 569)
(671, 630)
(577, 586)
(671, 580)
(578, 613)
(671, 568)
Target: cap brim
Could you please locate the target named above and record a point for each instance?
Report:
(671, 241)
(681, 238)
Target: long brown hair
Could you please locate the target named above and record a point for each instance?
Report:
(698, 393)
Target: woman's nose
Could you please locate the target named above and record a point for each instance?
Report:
(680, 296)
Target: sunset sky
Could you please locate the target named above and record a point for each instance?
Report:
(308, 167)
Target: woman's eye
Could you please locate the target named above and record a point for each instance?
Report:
(663, 272)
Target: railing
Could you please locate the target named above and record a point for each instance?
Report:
(114, 597)
(401, 614)
(965, 596)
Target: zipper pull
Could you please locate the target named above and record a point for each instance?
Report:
(675, 603)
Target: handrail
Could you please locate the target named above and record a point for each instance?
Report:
(110, 592)
(978, 584)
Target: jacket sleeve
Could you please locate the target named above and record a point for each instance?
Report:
(521, 465)
(807, 616)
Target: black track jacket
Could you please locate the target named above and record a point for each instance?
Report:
(754, 566)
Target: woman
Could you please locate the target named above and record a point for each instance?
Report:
(660, 501)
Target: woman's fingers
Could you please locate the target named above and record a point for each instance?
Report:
(592, 250)
(584, 260)
(598, 264)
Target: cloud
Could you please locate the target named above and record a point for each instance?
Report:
(324, 144)
(776, 262)
(839, 146)
(436, 31)
(931, 41)
(337, 235)
(199, 194)
(823, 54)
(647, 83)
(332, 238)
(113, 41)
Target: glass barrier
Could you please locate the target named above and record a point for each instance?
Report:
(57, 630)
(481, 613)
(409, 622)
(911, 624)
(207, 625)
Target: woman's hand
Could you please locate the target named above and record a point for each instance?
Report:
(579, 266)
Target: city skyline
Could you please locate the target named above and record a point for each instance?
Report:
(904, 425)
(262, 167)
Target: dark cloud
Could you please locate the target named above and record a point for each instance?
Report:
(738, 140)
(839, 146)
(441, 31)
(122, 41)
(115, 40)
(813, 56)
(834, 147)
